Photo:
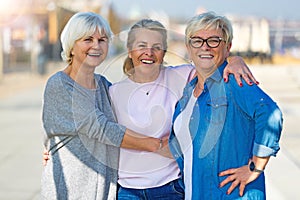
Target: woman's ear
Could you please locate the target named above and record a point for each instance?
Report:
(228, 48)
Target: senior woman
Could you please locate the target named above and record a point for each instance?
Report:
(145, 102)
(81, 133)
(222, 135)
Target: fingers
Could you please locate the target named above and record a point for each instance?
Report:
(235, 183)
(248, 76)
(230, 178)
(242, 188)
(239, 177)
(238, 79)
(247, 79)
(227, 172)
(225, 181)
(225, 76)
(250, 79)
(233, 186)
(46, 157)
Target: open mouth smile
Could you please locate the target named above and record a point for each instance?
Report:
(94, 54)
(147, 61)
(206, 56)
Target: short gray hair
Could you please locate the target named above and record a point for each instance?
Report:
(80, 25)
(209, 21)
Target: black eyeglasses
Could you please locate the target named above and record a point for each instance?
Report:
(212, 42)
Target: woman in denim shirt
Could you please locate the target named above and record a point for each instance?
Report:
(222, 135)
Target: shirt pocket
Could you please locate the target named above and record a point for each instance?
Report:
(216, 109)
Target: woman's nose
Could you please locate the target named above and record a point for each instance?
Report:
(149, 50)
(96, 44)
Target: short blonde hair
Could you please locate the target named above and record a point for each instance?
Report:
(209, 21)
(148, 24)
(80, 25)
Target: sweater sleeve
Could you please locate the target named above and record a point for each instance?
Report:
(57, 113)
(70, 110)
(94, 117)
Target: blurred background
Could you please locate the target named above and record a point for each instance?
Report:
(266, 35)
(264, 31)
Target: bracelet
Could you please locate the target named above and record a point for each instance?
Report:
(160, 143)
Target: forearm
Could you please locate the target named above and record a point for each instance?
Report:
(260, 162)
(133, 140)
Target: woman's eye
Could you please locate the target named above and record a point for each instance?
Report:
(157, 48)
(198, 41)
(103, 40)
(140, 46)
(88, 39)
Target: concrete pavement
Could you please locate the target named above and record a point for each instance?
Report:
(21, 134)
(282, 83)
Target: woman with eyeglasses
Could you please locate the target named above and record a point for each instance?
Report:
(222, 135)
(80, 126)
(144, 102)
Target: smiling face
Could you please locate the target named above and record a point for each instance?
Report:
(205, 58)
(90, 50)
(147, 51)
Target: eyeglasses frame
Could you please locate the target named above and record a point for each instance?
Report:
(205, 40)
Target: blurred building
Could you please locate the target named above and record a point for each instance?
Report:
(251, 38)
(30, 30)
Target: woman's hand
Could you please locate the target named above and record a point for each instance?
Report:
(164, 148)
(239, 69)
(46, 157)
(238, 176)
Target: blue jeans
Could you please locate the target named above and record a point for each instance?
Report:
(171, 191)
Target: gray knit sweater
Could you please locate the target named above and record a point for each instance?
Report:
(83, 139)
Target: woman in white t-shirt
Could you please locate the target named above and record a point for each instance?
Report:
(144, 102)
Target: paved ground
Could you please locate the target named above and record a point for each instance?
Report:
(21, 133)
(283, 172)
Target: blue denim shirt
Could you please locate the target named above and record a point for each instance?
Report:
(229, 124)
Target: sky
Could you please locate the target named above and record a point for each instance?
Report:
(185, 9)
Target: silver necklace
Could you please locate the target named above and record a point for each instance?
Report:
(146, 88)
(144, 85)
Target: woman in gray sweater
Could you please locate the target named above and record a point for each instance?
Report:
(81, 133)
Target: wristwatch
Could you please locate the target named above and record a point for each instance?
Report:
(253, 168)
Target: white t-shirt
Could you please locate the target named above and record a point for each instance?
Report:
(183, 135)
(148, 108)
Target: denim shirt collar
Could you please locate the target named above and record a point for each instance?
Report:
(217, 76)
